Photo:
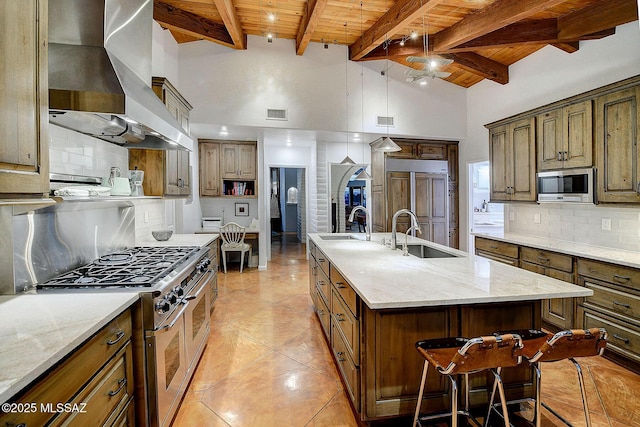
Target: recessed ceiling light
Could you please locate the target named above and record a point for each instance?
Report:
(423, 83)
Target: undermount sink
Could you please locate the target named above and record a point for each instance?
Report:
(338, 237)
(423, 251)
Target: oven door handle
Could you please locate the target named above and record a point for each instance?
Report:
(204, 279)
(168, 327)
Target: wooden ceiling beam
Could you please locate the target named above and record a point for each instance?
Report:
(598, 16)
(481, 66)
(229, 14)
(543, 31)
(493, 17)
(396, 20)
(310, 19)
(191, 24)
(569, 47)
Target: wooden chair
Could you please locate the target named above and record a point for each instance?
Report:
(233, 241)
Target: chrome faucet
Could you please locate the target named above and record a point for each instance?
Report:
(414, 220)
(405, 247)
(367, 226)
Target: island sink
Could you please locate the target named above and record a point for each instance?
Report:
(423, 251)
(338, 237)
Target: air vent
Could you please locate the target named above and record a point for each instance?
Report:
(276, 114)
(386, 121)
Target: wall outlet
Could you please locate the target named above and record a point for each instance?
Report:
(536, 218)
(606, 224)
(146, 216)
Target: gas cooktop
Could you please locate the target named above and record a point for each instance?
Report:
(138, 267)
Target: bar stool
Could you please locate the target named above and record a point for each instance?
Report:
(542, 347)
(452, 356)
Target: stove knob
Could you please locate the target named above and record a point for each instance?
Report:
(178, 291)
(163, 306)
(172, 298)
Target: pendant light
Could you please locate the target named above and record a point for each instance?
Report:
(347, 160)
(363, 176)
(387, 145)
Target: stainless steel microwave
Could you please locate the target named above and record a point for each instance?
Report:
(568, 185)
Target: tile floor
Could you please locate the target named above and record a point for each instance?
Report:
(267, 364)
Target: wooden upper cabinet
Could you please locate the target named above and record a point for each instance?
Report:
(407, 150)
(512, 157)
(565, 137)
(238, 161)
(399, 197)
(24, 99)
(617, 137)
(209, 154)
(431, 151)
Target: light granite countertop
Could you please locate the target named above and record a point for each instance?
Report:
(600, 253)
(178, 240)
(39, 330)
(386, 279)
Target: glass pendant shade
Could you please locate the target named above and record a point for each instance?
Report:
(386, 145)
(347, 161)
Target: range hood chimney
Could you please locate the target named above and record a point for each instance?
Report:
(100, 74)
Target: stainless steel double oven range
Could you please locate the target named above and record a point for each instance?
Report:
(178, 286)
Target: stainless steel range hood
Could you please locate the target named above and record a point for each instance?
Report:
(100, 74)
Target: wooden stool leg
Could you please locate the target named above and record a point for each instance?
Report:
(420, 393)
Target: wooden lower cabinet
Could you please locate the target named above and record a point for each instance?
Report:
(98, 374)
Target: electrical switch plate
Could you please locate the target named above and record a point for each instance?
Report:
(512, 216)
(606, 224)
(536, 218)
(146, 216)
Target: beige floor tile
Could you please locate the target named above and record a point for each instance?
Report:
(337, 413)
(197, 414)
(272, 391)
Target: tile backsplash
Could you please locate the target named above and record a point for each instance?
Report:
(599, 225)
(77, 154)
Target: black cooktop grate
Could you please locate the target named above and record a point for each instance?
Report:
(138, 267)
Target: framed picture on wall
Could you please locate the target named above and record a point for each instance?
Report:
(242, 209)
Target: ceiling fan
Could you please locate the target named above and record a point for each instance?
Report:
(431, 62)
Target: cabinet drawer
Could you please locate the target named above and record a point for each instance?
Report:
(623, 339)
(349, 371)
(623, 276)
(551, 272)
(615, 300)
(495, 257)
(324, 315)
(312, 250)
(345, 290)
(500, 248)
(106, 395)
(323, 285)
(547, 259)
(323, 262)
(72, 374)
(347, 324)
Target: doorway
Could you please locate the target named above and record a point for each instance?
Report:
(484, 216)
(287, 204)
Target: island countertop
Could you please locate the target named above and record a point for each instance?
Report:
(386, 279)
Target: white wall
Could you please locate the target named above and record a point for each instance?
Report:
(546, 76)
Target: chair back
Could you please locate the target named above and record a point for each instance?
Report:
(232, 235)
(487, 352)
(572, 343)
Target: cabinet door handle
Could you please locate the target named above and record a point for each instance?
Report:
(119, 336)
(121, 383)
(543, 259)
(321, 283)
(493, 247)
(619, 278)
(339, 356)
(340, 285)
(627, 306)
(623, 339)
(559, 155)
(638, 187)
(565, 155)
(340, 317)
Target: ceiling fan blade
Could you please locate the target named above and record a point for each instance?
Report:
(417, 73)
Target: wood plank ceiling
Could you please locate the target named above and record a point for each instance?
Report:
(483, 37)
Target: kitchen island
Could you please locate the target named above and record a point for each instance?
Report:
(374, 304)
